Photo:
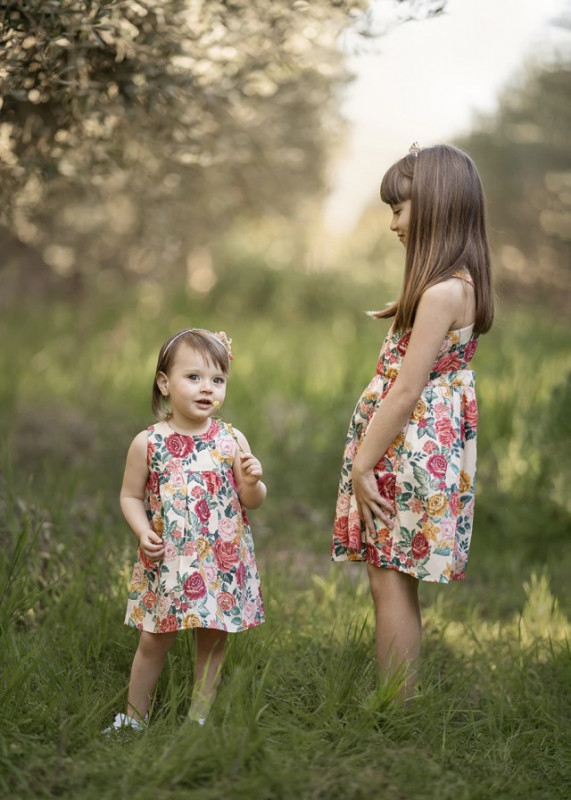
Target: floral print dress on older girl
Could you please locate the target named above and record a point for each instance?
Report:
(208, 577)
(427, 473)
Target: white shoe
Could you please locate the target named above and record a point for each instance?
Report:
(122, 722)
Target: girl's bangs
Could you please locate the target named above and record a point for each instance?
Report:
(395, 186)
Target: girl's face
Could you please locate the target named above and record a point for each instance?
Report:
(401, 220)
(196, 388)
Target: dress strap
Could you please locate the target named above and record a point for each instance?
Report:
(464, 275)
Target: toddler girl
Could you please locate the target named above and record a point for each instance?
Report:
(188, 479)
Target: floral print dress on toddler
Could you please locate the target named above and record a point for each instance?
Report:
(208, 577)
(427, 473)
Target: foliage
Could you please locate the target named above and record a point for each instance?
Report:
(134, 132)
(524, 155)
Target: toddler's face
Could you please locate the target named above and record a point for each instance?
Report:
(196, 387)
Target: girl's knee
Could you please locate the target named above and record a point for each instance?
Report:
(154, 643)
(210, 638)
(387, 585)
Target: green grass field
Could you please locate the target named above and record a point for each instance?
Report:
(298, 714)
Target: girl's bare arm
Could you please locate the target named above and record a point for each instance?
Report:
(132, 497)
(248, 472)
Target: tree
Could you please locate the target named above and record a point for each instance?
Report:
(524, 155)
(134, 131)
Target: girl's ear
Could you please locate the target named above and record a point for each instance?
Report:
(163, 384)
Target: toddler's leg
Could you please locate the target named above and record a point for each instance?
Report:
(398, 624)
(147, 666)
(209, 656)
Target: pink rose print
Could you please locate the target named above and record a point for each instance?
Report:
(471, 414)
(202, 510)
(448, 363)
(470, 349)
(212, 431)
(227, 446)
(250, 613)
(386, 484)
(226, 555)
(170, 552)
(149, 599)
(168, 624)
(420, 547)
(430, 446)
(445, 432)
(373, 555)
(146, 562)
(225, 601)
(210, 572)
(437, 465)
(241, 575)
(448, 527)
(227, 529)
(177, 478)
(189, 550)
(179, 446)
(153, 482)
(213, 482)
(403, 344)
(194, 587)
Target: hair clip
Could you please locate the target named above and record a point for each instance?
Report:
(414, 149)
(222, 337)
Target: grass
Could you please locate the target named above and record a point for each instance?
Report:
(298, 714)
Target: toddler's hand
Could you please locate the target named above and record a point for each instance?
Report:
(251, 468)
(152, 545)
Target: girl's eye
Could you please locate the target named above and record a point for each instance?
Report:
(193, 377)
(219, 381)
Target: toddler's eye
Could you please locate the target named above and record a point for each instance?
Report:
(193, 377)
(219, 381)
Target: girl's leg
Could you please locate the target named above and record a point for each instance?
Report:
(398, 624)
(147, 666)
(209, 656)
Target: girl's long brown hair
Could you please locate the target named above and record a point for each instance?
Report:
(447, 229)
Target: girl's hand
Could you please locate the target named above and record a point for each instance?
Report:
(369, 500)
(251, 468)
(152, 545)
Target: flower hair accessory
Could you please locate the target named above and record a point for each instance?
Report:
(414, 149)
(222, 337)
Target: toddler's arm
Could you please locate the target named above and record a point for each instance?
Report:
(132, 497)
(248, 471)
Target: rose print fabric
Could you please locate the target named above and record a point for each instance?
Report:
(208, 577)
(428, 472)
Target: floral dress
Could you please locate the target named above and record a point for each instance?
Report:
(208, 576)
(428, 471)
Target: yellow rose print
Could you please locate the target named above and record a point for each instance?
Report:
(430, 530)
(191, 621)
(437, 505)
(202, 546)
(465, 482)
(419, 410)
